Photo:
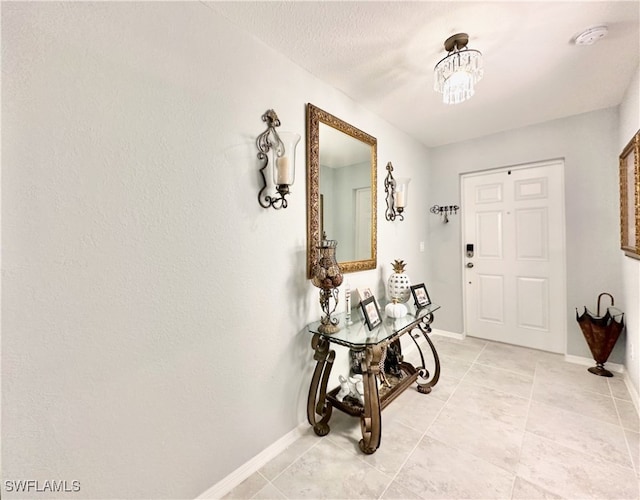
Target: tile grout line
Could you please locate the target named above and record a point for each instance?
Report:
(584, 453)
(413, 449)
(418, 441)
(524, 432)
(269, 483)
(479, 363)
(429, 427)
(634, 466)
(538, 376)
(589, 417)
(298, 457)
(593, 395)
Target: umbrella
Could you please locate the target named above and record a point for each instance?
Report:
(601, 333)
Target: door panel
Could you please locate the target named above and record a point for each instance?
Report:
(533, 303)
(531, 189)
(515, 290)
(489, 193)
(491, 300)
(489, 235)
(531, 234)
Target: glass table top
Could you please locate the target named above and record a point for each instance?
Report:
(357, 334)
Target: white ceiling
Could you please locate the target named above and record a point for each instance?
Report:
(382, 55)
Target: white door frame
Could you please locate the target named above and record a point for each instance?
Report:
(543, 163)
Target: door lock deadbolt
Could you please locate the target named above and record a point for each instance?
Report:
(469, 250)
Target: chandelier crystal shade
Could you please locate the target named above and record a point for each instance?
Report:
(457, 74)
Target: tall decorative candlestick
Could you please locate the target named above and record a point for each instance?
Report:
(327, 276)
(347, 305)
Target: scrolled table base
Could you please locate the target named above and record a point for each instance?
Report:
(317, 403)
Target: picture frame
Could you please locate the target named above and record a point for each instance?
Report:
(630, 197)
(371, 312)
(420, 295)
(364, 293)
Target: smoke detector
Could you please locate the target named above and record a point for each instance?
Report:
(591, 35)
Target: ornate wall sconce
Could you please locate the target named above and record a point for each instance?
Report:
(396, 195)
(281, 149)
(445, 211)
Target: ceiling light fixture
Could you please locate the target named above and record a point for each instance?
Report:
(457, 74)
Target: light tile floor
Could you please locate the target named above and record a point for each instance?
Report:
(503, 422)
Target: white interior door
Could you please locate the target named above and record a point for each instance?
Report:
(514, 283)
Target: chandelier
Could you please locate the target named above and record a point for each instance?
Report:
(457, 74)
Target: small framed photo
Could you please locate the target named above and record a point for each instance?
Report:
(371, 312)
(364, 293)
(420, 295)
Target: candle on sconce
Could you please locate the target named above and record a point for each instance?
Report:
(402, 190)
(282, 167)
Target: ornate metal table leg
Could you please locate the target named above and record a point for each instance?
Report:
(371, 421)
(425, 328)
(317, 403)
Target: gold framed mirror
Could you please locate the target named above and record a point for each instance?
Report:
(630, 197)
(341, 191)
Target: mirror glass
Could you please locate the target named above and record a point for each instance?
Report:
(341, 190)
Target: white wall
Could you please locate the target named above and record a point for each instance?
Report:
(153, 314)
(629, 125)
(588, 144)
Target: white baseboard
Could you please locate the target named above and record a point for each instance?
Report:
(224, 486)
(409, 348)
(613, 367)
(445, 333)
(580, 360)
(635, 398)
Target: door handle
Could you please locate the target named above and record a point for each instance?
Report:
(469, 265)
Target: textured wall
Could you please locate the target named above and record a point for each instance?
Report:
(153, 314)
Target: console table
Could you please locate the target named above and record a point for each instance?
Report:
(370, 349)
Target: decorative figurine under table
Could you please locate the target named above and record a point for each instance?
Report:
(380, 355)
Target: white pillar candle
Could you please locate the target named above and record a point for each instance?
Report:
(400, 199)
(282, 167)
(347, 302)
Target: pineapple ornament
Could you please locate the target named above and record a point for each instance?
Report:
(399, 286)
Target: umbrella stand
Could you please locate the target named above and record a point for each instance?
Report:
(601, 333)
